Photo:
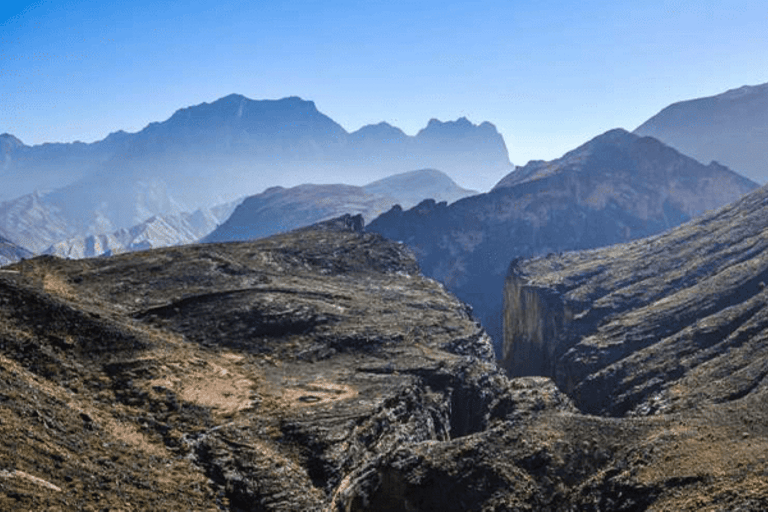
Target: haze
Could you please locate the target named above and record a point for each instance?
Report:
(549, 75)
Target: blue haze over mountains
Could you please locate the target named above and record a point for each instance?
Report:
(615, 188)
(211, 154)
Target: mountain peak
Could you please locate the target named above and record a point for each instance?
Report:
(6, 139)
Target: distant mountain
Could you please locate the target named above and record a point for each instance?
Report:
(659, 325)
(212, 151)
(216, 152)
(616, 187)
(11, 253)
(277, 210)
(157, 231)
(46, 225)
(731, 128)
(410, 188)
(34, 222)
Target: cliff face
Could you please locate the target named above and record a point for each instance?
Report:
(650, 326)
(615, 188)
(533, 317)
(316, 370)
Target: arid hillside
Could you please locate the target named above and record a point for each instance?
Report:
(316, 370)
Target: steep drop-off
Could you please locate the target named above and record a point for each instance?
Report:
(657, 325)
(316, 370)
(615, 188)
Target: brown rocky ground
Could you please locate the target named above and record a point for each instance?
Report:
(316, 370)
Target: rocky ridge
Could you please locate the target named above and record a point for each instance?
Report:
(659, 325)
(277, 209)
(731, 128)
(616, 187)
(315, 370)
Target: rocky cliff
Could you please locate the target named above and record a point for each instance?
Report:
(662, 324)
(316, 370)
(616, 187)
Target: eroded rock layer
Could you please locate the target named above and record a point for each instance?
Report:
(317, 370)
(663, 324)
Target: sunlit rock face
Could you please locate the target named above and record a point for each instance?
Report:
(654, 325)
(615, 188)
(319, 370)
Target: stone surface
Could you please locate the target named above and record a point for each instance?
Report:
(616, 187)
(662, 324)
(316, 370)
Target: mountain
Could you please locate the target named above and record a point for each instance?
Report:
(34, 222)
(615, 188)
(217, 152)
(277, 210)
(655, 326)
(157, 231)
(53, 224)
(731, 128)
(410, 188)
(317, 370)
(11, 253)
(24, 169)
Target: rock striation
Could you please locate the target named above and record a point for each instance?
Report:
(315, 370)
(616, 187)
(659, 325)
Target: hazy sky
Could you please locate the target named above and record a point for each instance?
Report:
(549, 74)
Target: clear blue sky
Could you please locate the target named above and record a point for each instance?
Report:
(548, 74)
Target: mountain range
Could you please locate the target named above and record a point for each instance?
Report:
(318, 370)
(277, 210)
(652, 326)
(614, 188)
(731, 128)
(213, 154)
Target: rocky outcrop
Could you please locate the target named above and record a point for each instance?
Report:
(729, 128)
(662, 324)
(615, 188)
(316, 370)
(277, 210)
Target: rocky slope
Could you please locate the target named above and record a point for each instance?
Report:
(616, 187)
(11, 253)
(314, 371)
(47, 228)
(277, 210)
(662, 324)
(731, 128)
